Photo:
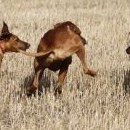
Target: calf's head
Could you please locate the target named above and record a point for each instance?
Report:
(10, 42)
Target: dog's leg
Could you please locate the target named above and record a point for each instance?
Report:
(61, 77)
(81, 54)
(37, 77)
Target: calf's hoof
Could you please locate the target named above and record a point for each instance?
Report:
(29, 91)
(58, 91)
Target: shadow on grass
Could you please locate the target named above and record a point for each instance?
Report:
(126, 83)
(45, 84)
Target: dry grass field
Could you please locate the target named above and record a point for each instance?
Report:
(100, 103)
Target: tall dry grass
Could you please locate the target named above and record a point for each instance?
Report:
(100, 103)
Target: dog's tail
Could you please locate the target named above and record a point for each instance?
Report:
(39, 54)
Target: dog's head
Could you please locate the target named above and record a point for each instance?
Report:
(11, 42)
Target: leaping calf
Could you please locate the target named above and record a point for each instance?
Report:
(59, 44)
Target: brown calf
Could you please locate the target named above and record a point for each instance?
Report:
(61, 42)
(10, 42)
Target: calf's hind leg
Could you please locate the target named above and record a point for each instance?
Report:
(61, 78)
(81, 54)
(36, 80)
(62, 75)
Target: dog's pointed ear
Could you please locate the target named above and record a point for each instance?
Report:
(5, 29)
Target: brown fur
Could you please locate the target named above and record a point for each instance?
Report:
(73, 28)
(10, 42)
(62, 41)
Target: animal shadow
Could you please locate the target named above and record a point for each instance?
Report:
(46, 82)
(126, 83)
